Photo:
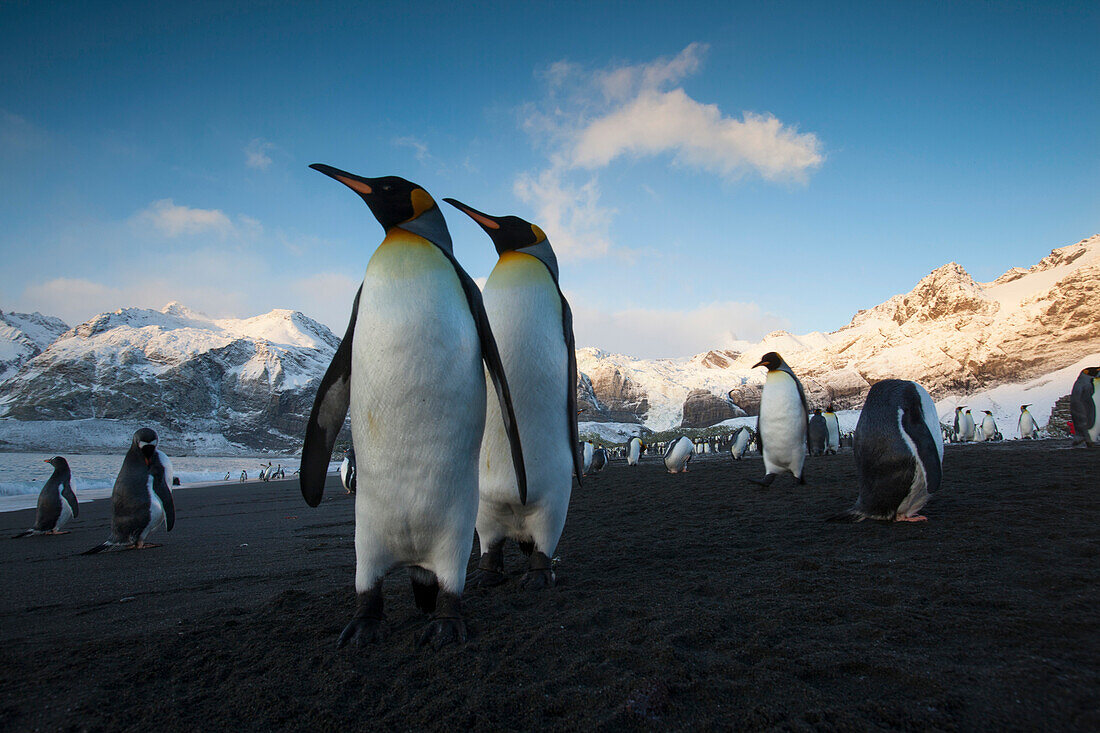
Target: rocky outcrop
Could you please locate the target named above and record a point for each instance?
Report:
(621, 398)
(24, 336)
(703, 409)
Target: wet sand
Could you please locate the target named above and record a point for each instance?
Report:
(688, 601)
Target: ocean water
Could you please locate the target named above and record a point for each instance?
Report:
(23, 474)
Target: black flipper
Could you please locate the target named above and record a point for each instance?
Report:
(24, 533)
(913, 423)
(164, 493)
(1082, 409)
(571, 406)
(330, 407)
(97, 548)
(805, 404)
(760, 436)
(69, 495)
(493, 363)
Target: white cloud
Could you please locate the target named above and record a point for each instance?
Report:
(172, 220)
(591, 118)
(654, 333)
(256, 154)
(420, 147)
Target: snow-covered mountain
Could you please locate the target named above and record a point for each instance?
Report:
(207, 385)
(24, 336)
(955, 336)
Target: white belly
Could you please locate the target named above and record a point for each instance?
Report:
(525, 313)
(66, 512)
(989, 427)
(1027, 425)
(156, 511)
(1094, 431)
(634, 453)
(678, 456)
(966, 425)
(782, 424)
(417, 406)
(833, 425)
(740, 443)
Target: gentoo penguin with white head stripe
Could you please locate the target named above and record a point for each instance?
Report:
(740, 442)
(967, 427)
(347, 471)
(1026, 425)
(533, 325)
(410, 368)
(678, 454)
(141, 499)
(898, 451)
(783, 424)
(56, 502)
(633, 451)
(832, 443)
(989, 426)
(1084, 406)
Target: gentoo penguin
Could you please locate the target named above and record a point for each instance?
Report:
(56, 502)
(1026, 425)
(1084, 406)
(677, 454)
(783, 423)
(533, 325)
(832, 443)
(967, 427)
(347, 471)
(740, 443)
(142, 498)
(244, 475)
(818, 434)
(587, 450)
(410, 368)
(898, 451)
(989, 426)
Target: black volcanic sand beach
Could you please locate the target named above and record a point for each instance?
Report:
(690, 601)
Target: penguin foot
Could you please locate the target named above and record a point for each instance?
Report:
(485, 578)
(361, 631)
(58, 531)
(537, 579)
(765, 482)
(143, 546)
(911, 518)
(442, 631)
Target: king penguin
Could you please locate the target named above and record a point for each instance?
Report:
(967, 427)
(678, 454)
(533, 325)
(141, 499)
(832, 444)
(740, 442)
(56, 502)
(956, 435)
(989, 426)
(1026, 425)
(818, 434)
(410, 369)
(1084, 406)
(587, 450)
(347, 471)
(633, 451)
(898, 452)
(783, 424)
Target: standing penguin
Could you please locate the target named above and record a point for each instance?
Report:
(586, 456)
(599, 459)
(633, 451)
(956, 434)
(832, 444)
(1084, 406)
(783, 424)
(967, 427)
(347, 471)
(141, 500)
(740, 442)
(818, 434)
(898, 451)
(1026, 425)
(989, 426)
(410, 368)
(678, 454)
(56, 502)
(533, 325)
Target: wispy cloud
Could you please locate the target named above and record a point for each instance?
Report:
(172, 220)
(588, 119)
(17, 134)
(256, 154)
(420, 148)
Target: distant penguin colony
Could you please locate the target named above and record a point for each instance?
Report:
(141, 500)
(898, 452)
(783, 423)
(678, 454)
(410, 369)
(633, 451)
(56, 502)
(533, 325)
(1084, 407)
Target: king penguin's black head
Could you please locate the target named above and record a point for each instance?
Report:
(772, 360)
(145, 440)
(1091, 371)
(508, 233)
(817, 412)
(391, 199)
(1024, 407)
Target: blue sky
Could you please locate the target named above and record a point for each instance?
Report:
(705, 171)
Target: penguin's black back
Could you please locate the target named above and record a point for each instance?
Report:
(130, 498)
(1082, 409)
(884, 460)
(49, 500)
(818, 434)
